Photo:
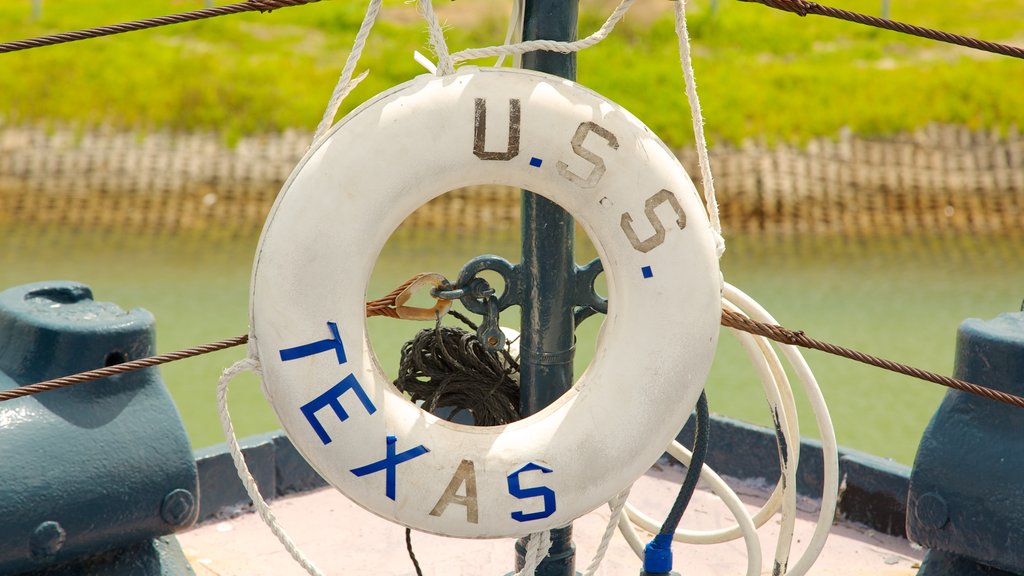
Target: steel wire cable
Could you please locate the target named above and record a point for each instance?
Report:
(729, 319)
(798, 338)
(191, 16)
(799, 7)
(122, 368)
(803, 8)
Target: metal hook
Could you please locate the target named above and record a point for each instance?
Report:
(489, 333)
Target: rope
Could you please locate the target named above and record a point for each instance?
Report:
(799, 7)
(345, 83)
(412, 555)
(616, 505)
(445, 63)
(514, 32)
(536, 550)
(251, 363)
(803, 8)
(549, 45)
(729, 319)
(798, 338)
(191, 16)
(122, 368)
(446, 366)
(698, 126)
(385, 305)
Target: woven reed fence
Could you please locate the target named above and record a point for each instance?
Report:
(941, 179)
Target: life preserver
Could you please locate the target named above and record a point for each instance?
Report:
(356, 186)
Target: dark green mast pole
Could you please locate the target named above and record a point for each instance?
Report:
(547, 342)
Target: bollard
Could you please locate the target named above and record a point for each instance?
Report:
(92, 477)
(966, 499)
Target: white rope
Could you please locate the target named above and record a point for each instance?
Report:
(698, 125)
(345, 83)
(514, 33)
(445, 63)
(738, 300)
(537, 548)
(616, 505)
(549, 45)
(252, 364)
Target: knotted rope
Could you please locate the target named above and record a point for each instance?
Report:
(449, 367)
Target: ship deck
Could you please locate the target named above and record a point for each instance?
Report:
(341, 538)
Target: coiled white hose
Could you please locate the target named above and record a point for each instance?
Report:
(779, 394)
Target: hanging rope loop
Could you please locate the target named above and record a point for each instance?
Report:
(549, 45)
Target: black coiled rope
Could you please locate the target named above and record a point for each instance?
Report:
(449, 367)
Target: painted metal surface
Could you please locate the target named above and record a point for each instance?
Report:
(966, 500)
(547, 343)
(939, 562)
(94, 473)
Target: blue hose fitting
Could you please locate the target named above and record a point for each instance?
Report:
(658, 555)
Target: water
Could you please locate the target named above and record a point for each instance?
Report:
(901, 298)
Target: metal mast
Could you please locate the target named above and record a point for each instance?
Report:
(548, 269)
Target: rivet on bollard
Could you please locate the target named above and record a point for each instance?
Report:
(177, 507)
(932, 510)
(47, 539)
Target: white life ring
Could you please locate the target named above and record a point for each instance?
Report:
(407, 146)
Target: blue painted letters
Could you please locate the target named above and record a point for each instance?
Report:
(330, 398)
(389, 463)
(333, 343)
(522, 493)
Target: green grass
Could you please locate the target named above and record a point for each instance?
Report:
(762, 73)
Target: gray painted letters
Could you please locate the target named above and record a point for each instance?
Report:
(659, 229)
(577, 146)
(465, 474)
(480, 131)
